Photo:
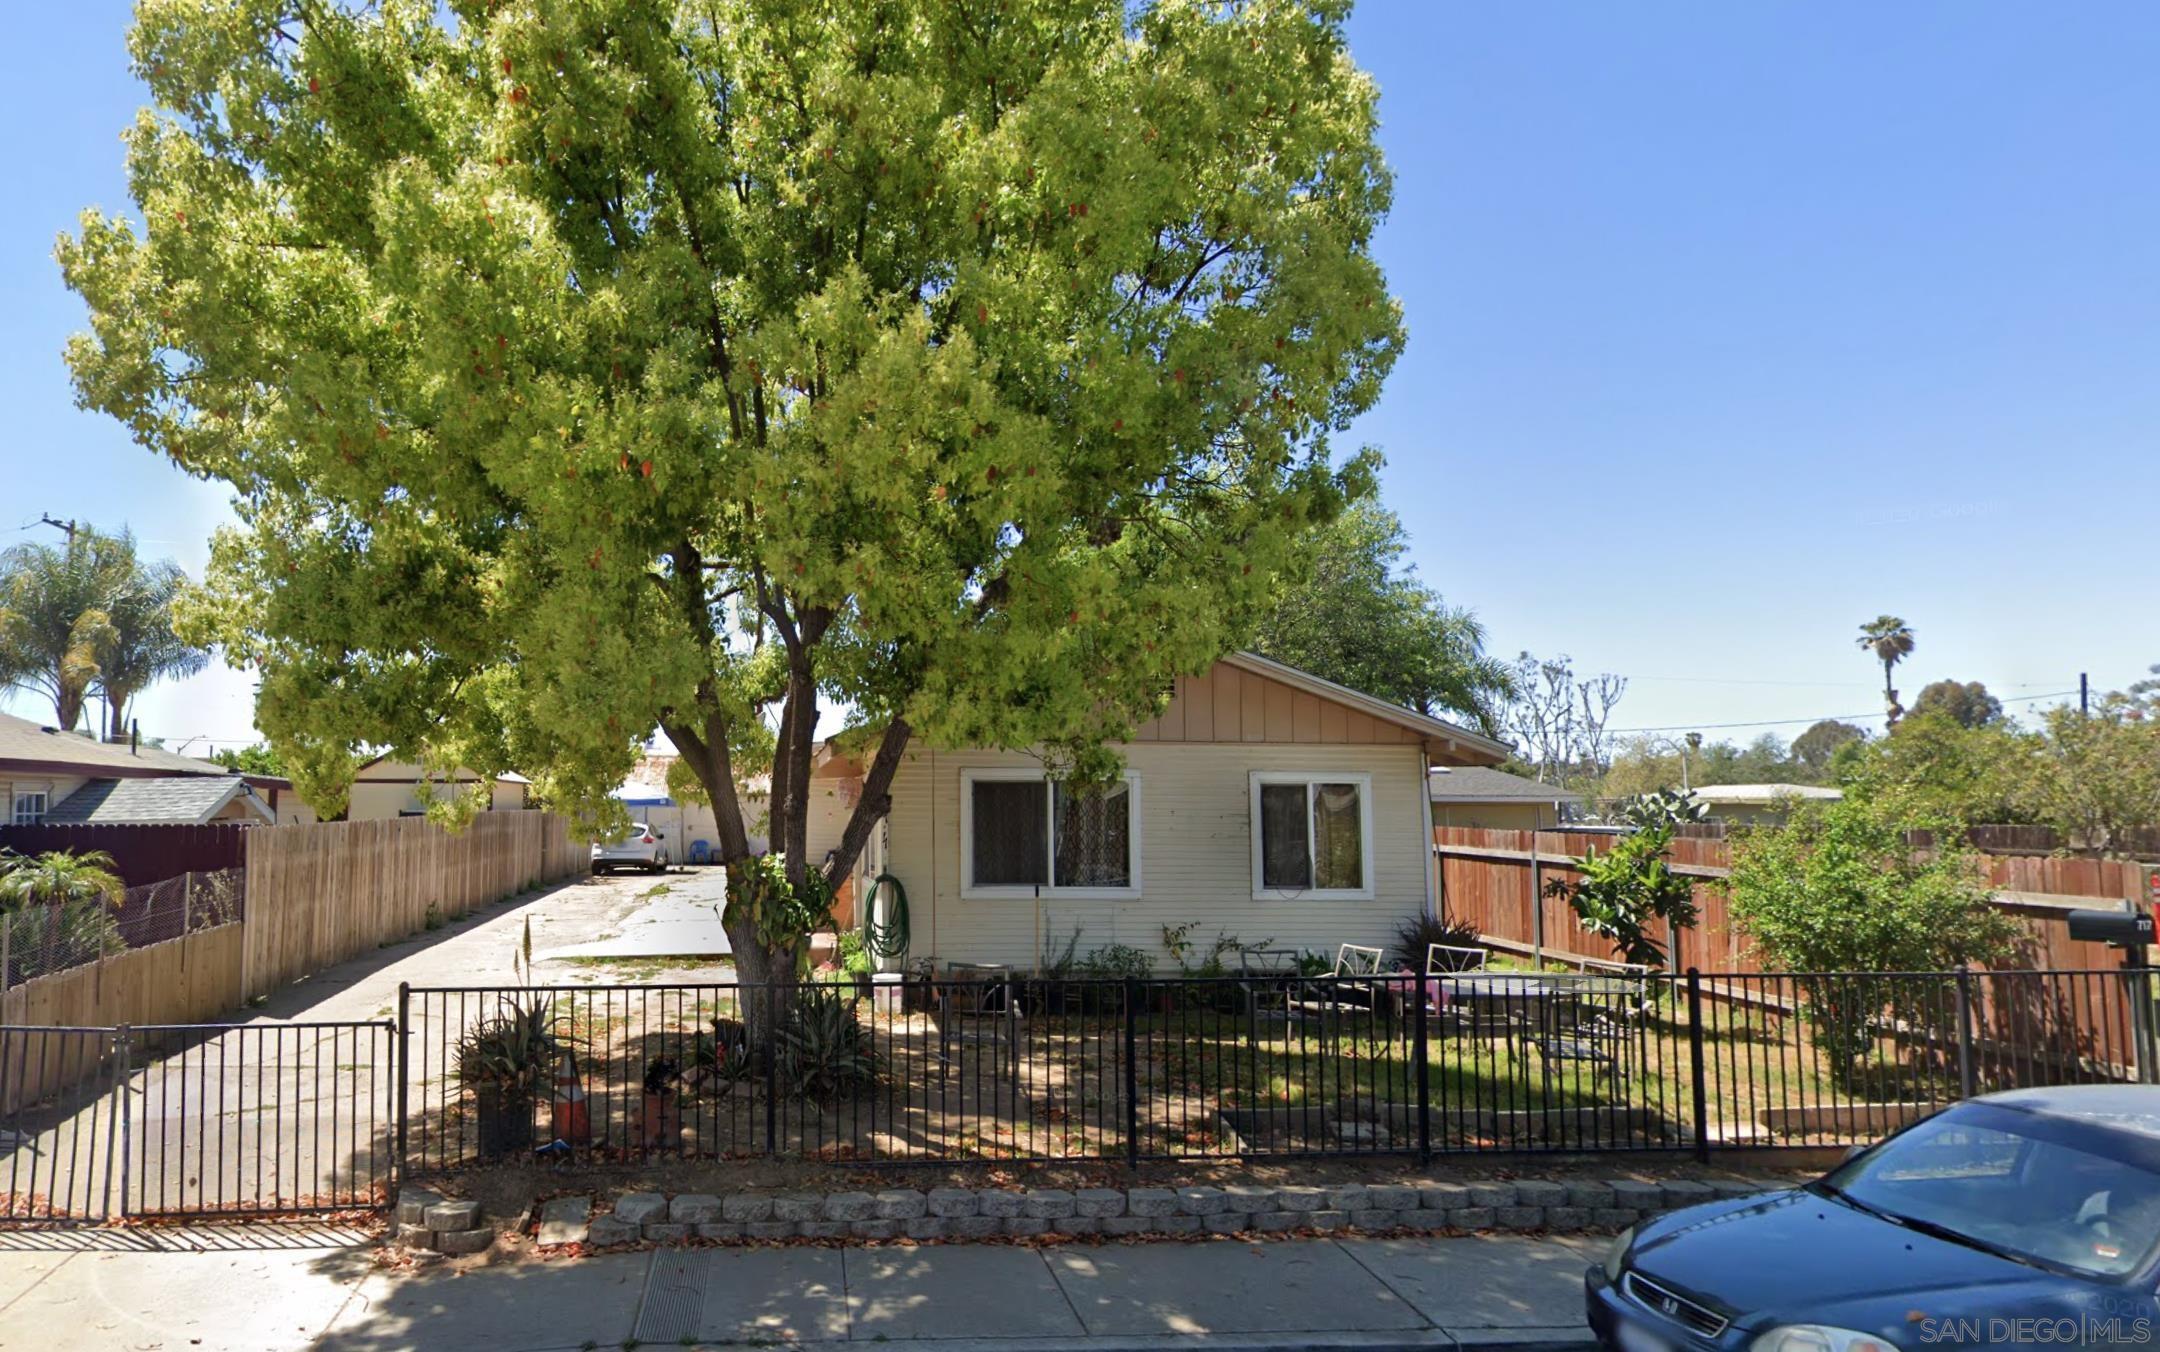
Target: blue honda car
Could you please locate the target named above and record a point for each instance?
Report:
(2020, 1218)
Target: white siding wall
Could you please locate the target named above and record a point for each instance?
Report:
(1195, 856)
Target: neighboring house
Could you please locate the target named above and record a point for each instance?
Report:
(42, 768)
(646, 797)
(393, 788)
(1263, 804)
(1478, 795)
(1753, 804)
(176, 800)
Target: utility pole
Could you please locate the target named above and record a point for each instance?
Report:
(69, 526)
(2084, 695)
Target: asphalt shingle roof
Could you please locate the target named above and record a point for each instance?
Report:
(185, 799)
(1480, 784)
(23, 740)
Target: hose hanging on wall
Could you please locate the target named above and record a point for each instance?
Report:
(890, 938)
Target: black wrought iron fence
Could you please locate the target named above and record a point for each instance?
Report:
(1011, 1067)
(195, 1120)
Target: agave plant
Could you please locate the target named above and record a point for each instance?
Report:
(823, 1049)
(513, 1052)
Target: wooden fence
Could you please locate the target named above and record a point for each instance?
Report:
(319, 894)
(184, 980)
(316, 895)
(141, 853)
(1496, 880)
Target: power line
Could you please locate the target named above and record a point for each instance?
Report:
(1819, 718)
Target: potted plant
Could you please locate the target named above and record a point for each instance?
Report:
(504, 1062)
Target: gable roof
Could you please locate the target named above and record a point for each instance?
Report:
(1424, 725)
(183, 799)
(1483, 784)
(25, 745)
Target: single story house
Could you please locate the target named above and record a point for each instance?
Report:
(42, 768)
(1264, 804)
(1478, 795)
(393, 788)
(1759, 804)
(174, 800)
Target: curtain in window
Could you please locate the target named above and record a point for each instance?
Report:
(1336, 833)
(1285, 859)
(1008, 829)
(1094, 838)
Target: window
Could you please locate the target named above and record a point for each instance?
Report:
(1312, 835)
(29, 809)
(1021, 833)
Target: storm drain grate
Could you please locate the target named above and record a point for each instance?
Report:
(674, 1303)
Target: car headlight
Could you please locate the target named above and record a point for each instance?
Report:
(1616, 1256)
(1819, 1338)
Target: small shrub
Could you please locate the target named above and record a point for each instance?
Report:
(854, 954)
(1415, 936)
(1624, 891)
(1115, 962)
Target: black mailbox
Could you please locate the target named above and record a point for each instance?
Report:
(2124, 929)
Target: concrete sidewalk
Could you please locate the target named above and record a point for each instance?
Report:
(245, 1290)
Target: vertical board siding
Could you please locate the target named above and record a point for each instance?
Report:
(1195, 828)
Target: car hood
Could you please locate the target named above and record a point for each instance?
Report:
(1786, 1257)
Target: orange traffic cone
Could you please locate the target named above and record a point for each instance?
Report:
(568, 1117)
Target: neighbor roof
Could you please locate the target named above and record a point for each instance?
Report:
(1748, 794)
(25, 745)
(182, 799)
(1482, 784)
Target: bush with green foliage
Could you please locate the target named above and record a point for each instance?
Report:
(1619, 894)
(1841, 890)
(1115, 962)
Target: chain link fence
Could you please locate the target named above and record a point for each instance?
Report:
(39, 940)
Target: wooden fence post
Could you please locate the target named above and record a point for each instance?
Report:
(1537, 904)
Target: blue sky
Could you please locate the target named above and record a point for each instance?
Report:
(1731, 326)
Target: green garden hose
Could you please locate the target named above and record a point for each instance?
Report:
(890, 939)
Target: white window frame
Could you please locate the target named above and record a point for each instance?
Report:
(44, 805)
(1028, 891)
(1308, 778)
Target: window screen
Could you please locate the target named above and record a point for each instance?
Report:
(1338, 847)
(1285, 851)
(1009, 824)
(1094, 838)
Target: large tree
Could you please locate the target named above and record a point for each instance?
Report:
(585, 367)
(1351, 612)
(1967, 702)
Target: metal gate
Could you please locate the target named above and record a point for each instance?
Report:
(194, 1119)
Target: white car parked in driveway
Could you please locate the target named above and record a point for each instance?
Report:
(642, 847)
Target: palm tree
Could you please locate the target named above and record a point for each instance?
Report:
(54, 618)
(140, 647)
(89, 617)
(58, 878)
(1890, 639)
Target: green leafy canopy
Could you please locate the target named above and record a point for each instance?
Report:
(581, 367)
